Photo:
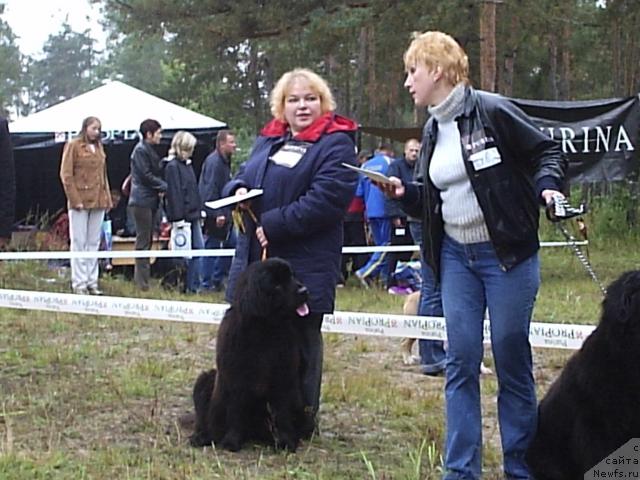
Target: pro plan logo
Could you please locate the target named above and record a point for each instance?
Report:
(623, 463)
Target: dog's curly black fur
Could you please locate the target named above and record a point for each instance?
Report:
(255, 394)
(592, 408)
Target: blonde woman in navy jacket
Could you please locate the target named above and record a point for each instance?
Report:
(297, 160)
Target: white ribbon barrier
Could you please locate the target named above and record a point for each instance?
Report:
(354, 323)
(223, 252)
(65, 255)
(550, 335)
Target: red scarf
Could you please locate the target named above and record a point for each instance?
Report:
(327, 123)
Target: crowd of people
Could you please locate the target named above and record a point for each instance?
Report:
(467, 193)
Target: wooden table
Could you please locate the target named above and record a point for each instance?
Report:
(129, 243)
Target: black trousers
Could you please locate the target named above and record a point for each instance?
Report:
(144, 219)
(311, 350)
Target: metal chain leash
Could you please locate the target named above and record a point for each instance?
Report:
(559, 210)
(581, 256)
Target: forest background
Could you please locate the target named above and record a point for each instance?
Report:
(221, 58)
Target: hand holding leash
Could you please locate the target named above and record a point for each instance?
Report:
(559, 209)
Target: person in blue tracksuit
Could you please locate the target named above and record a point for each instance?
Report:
(297, 161)
(377, 219)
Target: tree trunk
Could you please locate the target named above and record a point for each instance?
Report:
(361, 72)
(565, 78)
(372, 87)
(631, 52)
(511, 51)
(553, 66)
(616, 54)
(255, 86)
(488, 45)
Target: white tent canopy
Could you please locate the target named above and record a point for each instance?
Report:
(119, 107)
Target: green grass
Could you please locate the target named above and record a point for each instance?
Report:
(100, 397)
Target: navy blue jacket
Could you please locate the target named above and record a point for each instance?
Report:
(302, 208)
(182, 201)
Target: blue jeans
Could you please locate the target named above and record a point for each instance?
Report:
(472, 280)
(194, 264)
(432, 354)
(214, 269)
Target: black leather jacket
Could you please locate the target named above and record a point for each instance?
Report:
(508, 189)
(146, 177)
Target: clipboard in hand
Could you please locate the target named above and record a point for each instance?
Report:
(223, 202)
(375, 176)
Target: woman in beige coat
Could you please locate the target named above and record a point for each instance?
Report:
(83, 172)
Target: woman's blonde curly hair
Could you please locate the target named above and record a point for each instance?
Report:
(316, 82)
(437, 49)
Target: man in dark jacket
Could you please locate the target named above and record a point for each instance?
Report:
(8, 190)
(147, 187)
(400, 232)
(218, 231)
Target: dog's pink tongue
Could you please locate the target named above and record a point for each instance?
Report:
(303, 310)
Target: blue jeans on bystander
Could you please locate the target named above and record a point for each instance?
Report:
(215, 269)
(194, 264)
(473, 280)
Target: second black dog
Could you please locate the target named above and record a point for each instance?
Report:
(592, 408)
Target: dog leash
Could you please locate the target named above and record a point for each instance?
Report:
(559, 210)
(238, 221)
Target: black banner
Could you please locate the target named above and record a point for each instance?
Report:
(600, 137)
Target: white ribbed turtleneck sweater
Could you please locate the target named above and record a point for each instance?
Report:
(463, 218)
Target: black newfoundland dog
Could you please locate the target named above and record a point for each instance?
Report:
(255, 394)
(593, 408)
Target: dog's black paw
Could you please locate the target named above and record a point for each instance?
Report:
(287, 443)
(200, 440)
(308, 427)
(231, 442)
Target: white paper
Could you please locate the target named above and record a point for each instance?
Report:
(375, 176)
(223, 202)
